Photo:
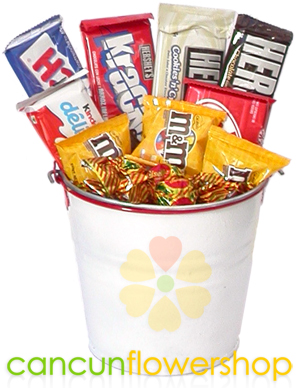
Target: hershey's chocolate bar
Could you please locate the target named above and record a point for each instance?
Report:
(191, 42)
(255, 56)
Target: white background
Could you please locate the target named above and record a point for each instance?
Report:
(41, 307)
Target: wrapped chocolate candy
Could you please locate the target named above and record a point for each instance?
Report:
(239, 160)
(247, 114)
(175, 132)
(255, 56)
(154, 111)
(108, 139)
(120, 178)
(212, 187)
(61, 112)
(107, 178)
(191, 43)
(131, 181)
(174, 191)
(42, 56)
(120, 56)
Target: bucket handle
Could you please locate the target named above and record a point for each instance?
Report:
(54, 175)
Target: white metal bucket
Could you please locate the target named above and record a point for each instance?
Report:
(168, 282)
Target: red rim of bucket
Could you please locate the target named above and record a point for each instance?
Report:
(152, 209)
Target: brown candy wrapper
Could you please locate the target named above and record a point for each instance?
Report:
(255, 56)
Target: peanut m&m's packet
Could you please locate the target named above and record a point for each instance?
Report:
(107, 139)
(239, 160)
(175, 132)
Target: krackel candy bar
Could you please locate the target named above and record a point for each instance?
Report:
(42, 56)
(120, 55)
(255, 56)
(60, 112)
(191, 42)
(247, 114)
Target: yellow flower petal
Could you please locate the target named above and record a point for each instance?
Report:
(137, 299)
(138, 267)
(193, 268)
(192, 300)
(164, 315)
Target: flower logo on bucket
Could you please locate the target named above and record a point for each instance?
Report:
(139, 298)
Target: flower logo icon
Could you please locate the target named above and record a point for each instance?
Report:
(164, 314)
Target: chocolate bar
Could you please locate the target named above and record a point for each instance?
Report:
(42, 56)
(247, 114)
(120, 54)
(191, 43)
(255, 56)
(61, 111)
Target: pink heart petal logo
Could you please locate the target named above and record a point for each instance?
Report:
(165, 251)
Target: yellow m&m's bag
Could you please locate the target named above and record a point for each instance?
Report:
(110, 138)
(238, 159)
(175, 132)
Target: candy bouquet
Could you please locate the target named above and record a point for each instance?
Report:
(181, 125)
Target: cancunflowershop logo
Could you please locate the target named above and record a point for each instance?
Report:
(167, 288)
(192, 270)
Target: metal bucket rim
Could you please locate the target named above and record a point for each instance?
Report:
(150, 208)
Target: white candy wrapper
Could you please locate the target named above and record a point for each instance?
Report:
(192, 43)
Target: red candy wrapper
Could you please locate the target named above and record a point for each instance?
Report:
(60, 112)
(175, 191)
(120, 55)
(247, 113)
